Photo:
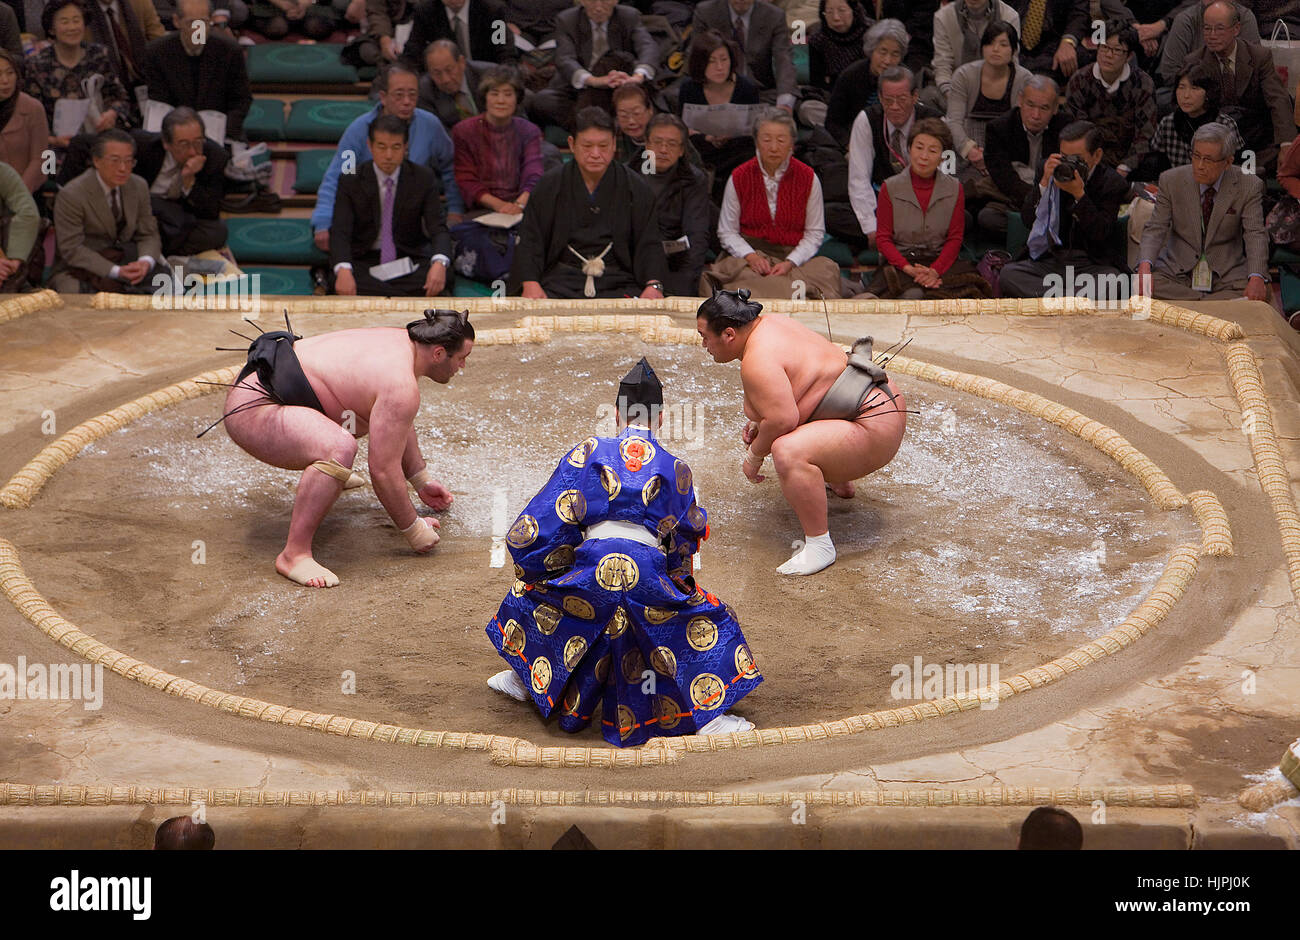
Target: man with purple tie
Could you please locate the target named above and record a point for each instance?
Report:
(403, 250)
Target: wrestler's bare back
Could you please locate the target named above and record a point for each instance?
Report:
(810, 362)
(351, 369)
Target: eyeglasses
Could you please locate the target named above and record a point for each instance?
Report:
(1201, 158)
(664, 143)
(119, 161)
(1113, 50)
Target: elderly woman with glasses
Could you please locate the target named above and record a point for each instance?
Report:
(858, 86)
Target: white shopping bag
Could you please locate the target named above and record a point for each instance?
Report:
(1286, 55)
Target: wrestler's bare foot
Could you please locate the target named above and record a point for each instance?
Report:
(305, 570)
(842, 490)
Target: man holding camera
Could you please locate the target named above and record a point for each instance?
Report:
(1071, 214)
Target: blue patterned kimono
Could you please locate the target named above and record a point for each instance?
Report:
(611, 622)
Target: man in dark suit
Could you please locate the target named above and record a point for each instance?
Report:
(598, 46)
(681, 203)
(478, 27)
(1072, 226)
(1016, 144)
(1253, 94)
(210, 75)
(449, 87)
(123, 27)
(760, 31)
(1206, 238)
(105, 231)
(389, 212)
(185, 172)
(1051, 36)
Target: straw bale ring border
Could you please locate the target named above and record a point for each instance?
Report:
(505, 750)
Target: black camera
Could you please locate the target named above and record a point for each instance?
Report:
(1065, 170)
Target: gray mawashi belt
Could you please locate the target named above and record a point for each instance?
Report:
(847, 395)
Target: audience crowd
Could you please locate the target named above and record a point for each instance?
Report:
(971, 148)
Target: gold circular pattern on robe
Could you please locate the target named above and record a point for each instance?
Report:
(745, 667)
(517, 589)
(695, 517)
(571, 700)
(578, 456)
(617, 572)
(519, 572)
(708, 691)
(541, 672)
(664, 661)
(571, 506)
(610, 481)
(647, 449)
(514, 638)
(666, 525)
(626, 722)
(668, 711)
(658, 615)
(683, 474)
(650, 491)
(602, 669)
(523, 533)
(559, 558)
(579, 608)
(547, 618)
(617, 623)
(633, 665)
(667, 586)
(702, 634)
(574, 650)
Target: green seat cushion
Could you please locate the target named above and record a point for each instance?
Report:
(464, 287)
(295, 62)
(1283, 255)
(837, 251)
(801, 73)
(265, 119)
(1017, 234)
(311, 169)
(556, 135)
(292, 281)
(322, 119)
(272, 241)
(868, 256)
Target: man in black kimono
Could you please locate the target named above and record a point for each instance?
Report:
(590, 229)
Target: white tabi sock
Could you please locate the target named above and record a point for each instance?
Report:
(727, 724)
(507, 682)
(818, 552)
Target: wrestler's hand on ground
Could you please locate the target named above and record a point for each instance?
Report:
(533, 291)
(422, 534)
(751, 472)
(434, 495)
(345, 284)
(436, 279)
(781, 269)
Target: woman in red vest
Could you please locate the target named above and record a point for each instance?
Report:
(920, 220)
(772, 223)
